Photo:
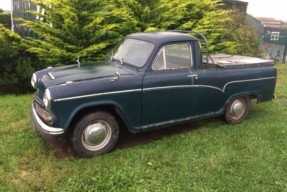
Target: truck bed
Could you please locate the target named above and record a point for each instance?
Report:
(236, 61)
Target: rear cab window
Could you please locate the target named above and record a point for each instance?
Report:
(173, 57)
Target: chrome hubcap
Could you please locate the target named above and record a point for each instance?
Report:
(96, 135)
(237, 108)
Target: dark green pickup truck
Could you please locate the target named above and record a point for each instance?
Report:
(152, 80)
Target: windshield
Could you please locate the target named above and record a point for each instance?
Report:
(133, 52)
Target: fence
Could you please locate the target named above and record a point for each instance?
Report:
(274, 51)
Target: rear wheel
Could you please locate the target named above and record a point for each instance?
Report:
(237, 110)
(96, 133)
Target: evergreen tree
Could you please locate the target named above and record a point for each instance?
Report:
(90, 28)
(5, 19)
(16, 64)
(70, 28)
(197, 15)
(243, 34)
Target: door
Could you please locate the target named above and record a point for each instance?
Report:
(168, 96)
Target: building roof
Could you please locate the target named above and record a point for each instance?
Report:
(237, 1)
(268, 19)
(271, 22)
(255, 22)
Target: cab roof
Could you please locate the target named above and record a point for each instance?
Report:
(162, 37)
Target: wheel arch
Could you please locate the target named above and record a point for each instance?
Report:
(251, 95)
(109, 107)
(235, 111)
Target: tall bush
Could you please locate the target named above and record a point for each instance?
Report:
(90, 28)
(67, 29)
(197, 15)
(243, 34)
(5, 19)
(16, 64)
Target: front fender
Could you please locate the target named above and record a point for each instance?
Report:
(127, 104)
(102, 105)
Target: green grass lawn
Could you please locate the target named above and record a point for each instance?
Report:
(207, 155)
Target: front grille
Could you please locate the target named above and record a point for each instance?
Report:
(45, 115)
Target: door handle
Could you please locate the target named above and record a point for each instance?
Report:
(195, 76)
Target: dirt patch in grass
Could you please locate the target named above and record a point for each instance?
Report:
(281, 97)
(278, 82)
(62, 148)
(281, 71)
(60, 144)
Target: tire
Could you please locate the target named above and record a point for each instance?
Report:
(237, 110)
(95, 134)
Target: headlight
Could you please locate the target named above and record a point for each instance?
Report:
(47, 98)
(34, 81)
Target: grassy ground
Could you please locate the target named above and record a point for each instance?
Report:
(208, 155)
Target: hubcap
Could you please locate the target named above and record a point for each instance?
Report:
(96, 135)
(237, 108)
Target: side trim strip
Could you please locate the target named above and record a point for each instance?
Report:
(207, 86)
(165, 123)
(180, 86)
(99, 94)
(161, 88)
(242, 81)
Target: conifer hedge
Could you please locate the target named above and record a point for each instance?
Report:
(89, 29)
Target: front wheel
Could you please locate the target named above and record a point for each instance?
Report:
(237, 110)
(95, 134)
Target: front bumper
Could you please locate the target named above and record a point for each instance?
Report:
(41, 126)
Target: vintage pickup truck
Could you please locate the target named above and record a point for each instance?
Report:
(151, 80)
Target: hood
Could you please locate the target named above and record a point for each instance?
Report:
(89, 71)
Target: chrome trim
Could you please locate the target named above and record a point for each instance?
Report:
(192, 76)
(97, 135)
(51, 76)
(116, 77)
(66, 83)
(78, 61)
(166, 87)
(43, 127)
(186, 119)
(47, 98)
(98, 94)
(242, 81)
(207, 86)
(181, 86)
(34, 81)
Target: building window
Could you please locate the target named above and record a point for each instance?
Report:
(274, 36)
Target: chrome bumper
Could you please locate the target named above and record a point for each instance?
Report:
(41, 126)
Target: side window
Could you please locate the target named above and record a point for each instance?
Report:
(175, 56)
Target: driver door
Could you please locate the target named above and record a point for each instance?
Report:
(168, 95)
